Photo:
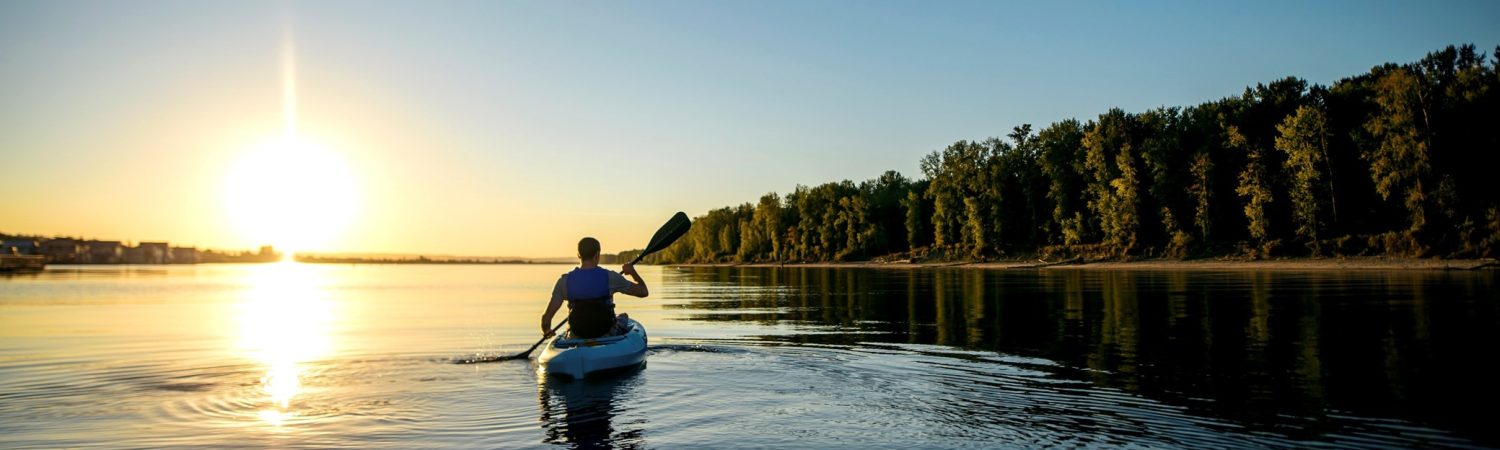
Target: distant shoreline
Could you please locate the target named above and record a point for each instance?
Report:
(409, 261)
(1295, 264)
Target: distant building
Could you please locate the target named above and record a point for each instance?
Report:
(64, 251)
(134, 255)
(105, 252)
(184, 255)
(151, 253)
(267, 254)
(20, 247)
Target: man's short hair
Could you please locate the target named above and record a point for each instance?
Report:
(588, 248)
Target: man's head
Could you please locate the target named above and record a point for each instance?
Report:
(588, 249)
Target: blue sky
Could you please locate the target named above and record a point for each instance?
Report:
(484, 120)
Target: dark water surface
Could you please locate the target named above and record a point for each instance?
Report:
(362, 357)
(1179, 358)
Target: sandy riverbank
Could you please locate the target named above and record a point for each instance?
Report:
(1353, 263)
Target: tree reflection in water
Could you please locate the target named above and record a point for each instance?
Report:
(1265, 349)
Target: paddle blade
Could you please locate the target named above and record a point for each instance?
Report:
(522, 355)
(669, 232)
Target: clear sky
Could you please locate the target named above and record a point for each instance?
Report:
(513, 128)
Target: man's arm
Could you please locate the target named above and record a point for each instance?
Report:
(638, 288)
(552, 307)
(547, 317)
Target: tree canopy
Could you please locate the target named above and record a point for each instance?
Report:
(1394, 161)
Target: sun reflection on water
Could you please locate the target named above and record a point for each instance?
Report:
(284, 319)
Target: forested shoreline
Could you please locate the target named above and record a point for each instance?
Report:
(1395, 162)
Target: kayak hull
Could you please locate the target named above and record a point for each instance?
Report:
(581, 358)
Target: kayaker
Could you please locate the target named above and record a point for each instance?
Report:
(589, 291)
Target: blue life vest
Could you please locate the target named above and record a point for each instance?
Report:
(591, 285)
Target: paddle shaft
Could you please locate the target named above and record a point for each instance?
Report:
(544, 338)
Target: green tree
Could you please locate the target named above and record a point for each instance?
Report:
(1111, 157)
(915, 225)
(1164, 158)
(1037, 226)
(884, 198)
(1304, 140)
(1400, 162)
(1201, 169)
(804, 234)
(1062, 164)
(1211, 168)
(1260, 109)
(974, 226)
(956, 174)
(858, 232)
(944, 194)
(768, 213)
(1255, 185)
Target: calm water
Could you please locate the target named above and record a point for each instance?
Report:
(362, 356)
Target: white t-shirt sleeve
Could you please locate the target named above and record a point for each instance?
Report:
(618, 282)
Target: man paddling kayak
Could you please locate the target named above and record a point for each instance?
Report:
(589, 291)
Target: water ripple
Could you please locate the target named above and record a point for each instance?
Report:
(799, 381)
(692, 393)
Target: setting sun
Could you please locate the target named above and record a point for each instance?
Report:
(291, 193)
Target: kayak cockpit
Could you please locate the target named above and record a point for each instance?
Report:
(567, 342)
(580, 358)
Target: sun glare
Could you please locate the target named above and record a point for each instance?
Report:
(285, 321)
(291, 193)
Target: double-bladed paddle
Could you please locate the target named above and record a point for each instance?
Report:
(668, 233)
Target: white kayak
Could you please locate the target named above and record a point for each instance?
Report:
(579, 358)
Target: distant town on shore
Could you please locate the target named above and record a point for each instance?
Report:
(23, 253)
(66, 250)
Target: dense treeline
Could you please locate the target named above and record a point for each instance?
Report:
(1390, 162)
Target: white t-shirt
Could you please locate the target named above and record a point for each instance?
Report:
(617, 283)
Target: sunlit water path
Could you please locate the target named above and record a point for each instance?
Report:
(361, 357)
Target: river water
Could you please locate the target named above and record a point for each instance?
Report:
(298, 355)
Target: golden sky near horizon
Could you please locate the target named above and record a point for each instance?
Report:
(240, 168)
(303, 155)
